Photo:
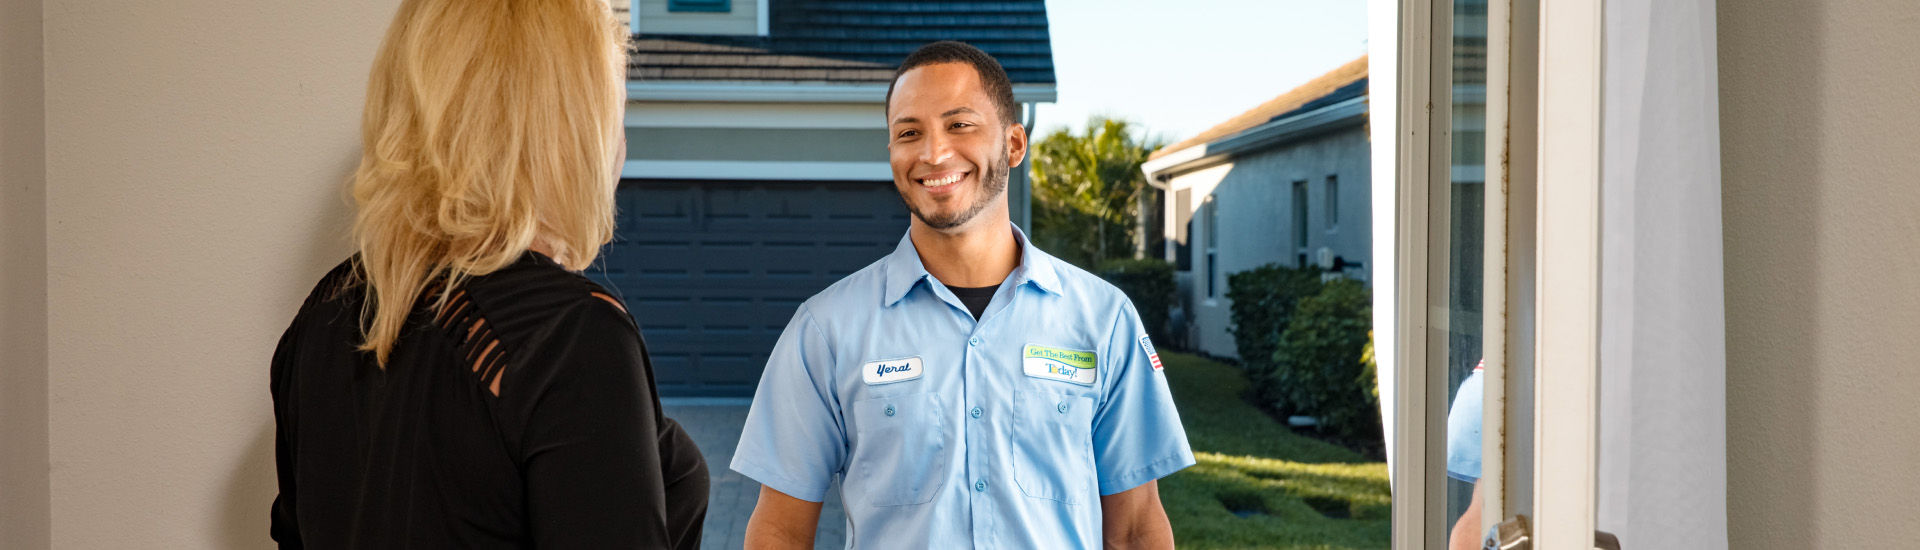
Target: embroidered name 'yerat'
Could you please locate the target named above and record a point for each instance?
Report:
(1065, 365)
(892, 370)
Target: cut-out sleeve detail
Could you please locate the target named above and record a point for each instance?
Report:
(477, 343)
(611, 300)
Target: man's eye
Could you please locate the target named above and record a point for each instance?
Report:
(907, 133)
(961, 125)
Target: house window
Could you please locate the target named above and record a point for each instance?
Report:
(710, 6)
(1332, 200)
(1183, 242)
(1300, 218)
(1211, 226)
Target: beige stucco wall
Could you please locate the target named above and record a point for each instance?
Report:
(1820, 144)
(195, 155)
(23, 281)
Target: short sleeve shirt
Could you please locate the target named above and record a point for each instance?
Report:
(950, 432)
(1463, 427)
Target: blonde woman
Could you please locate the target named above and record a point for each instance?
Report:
(457, 384)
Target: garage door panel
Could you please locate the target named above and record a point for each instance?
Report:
(714, 270)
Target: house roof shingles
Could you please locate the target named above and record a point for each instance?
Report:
(852, 41)
(1343, 78)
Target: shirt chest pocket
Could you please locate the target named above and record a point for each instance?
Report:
(902, 453)
(1053, 446)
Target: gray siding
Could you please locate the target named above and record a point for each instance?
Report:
(1254, 202)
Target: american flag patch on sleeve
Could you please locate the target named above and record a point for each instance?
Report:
(1146, 345)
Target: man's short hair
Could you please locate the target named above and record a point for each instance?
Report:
(999, 88)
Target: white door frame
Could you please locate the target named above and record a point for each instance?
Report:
(1400, 70)
(1564, 260)
(1568, 297)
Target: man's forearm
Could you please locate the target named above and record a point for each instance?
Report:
(1136, 519)
(765, 535)
(781, 522)
(1146, 533)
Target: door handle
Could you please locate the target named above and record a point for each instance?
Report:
(1603, 540)
(1516, 533)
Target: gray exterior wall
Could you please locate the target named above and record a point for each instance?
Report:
(759, 144)
(1254, 202)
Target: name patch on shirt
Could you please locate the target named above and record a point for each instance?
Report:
(892, 370)
(1061, 364)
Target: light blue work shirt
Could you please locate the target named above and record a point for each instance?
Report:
(952, 433)
(1463, 428)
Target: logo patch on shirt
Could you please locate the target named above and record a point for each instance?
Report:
(1146, 345)
(1061, 364)
(892, 370)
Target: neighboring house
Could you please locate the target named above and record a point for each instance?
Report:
(1286, 182)
(757, 169)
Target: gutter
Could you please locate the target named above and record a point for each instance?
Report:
(805, 92)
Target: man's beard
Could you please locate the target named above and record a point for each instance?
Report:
(994, 183)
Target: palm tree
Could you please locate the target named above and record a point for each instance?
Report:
(1087, 189)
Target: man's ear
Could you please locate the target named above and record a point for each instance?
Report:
(1016, 144)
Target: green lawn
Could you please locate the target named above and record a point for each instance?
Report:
(1307, 493)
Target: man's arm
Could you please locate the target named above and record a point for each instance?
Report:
(781, 522)
(1466, 532)
(1133, 518)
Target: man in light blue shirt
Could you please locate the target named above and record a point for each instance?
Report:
(970, 390)
(1463, 454)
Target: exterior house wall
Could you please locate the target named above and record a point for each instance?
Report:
(652, 17)
(1253, 196)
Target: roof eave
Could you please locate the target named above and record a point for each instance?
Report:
(1269, 134)
(802, 92)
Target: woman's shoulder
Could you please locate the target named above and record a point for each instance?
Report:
(533, 294)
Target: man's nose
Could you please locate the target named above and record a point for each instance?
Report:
(936, 149)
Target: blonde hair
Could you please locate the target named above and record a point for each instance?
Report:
(489, 124)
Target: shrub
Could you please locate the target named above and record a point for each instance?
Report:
(1263, 299)
(1322, 364)
(1149, 283)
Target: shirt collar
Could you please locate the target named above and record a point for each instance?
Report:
(905, 271)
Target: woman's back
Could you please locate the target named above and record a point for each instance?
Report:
(520, 413)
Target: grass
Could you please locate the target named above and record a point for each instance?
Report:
(1290, 491)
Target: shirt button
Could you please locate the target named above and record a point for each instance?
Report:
(1062, 407)
(974, 341)
(889, 411)
(980, 486)
(976, 412)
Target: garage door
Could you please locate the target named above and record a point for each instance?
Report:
(713, 270)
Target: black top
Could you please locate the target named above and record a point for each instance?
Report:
(976, 299)
(521, 414)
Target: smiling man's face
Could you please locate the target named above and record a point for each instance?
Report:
(950, 152)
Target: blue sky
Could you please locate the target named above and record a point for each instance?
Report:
(1182, 66)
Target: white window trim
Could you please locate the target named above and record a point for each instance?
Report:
(756, 170)
(765, 18)
(763, 24)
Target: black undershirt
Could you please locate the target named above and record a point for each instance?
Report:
(975, 298)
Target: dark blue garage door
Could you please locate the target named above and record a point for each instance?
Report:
(713, 270)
